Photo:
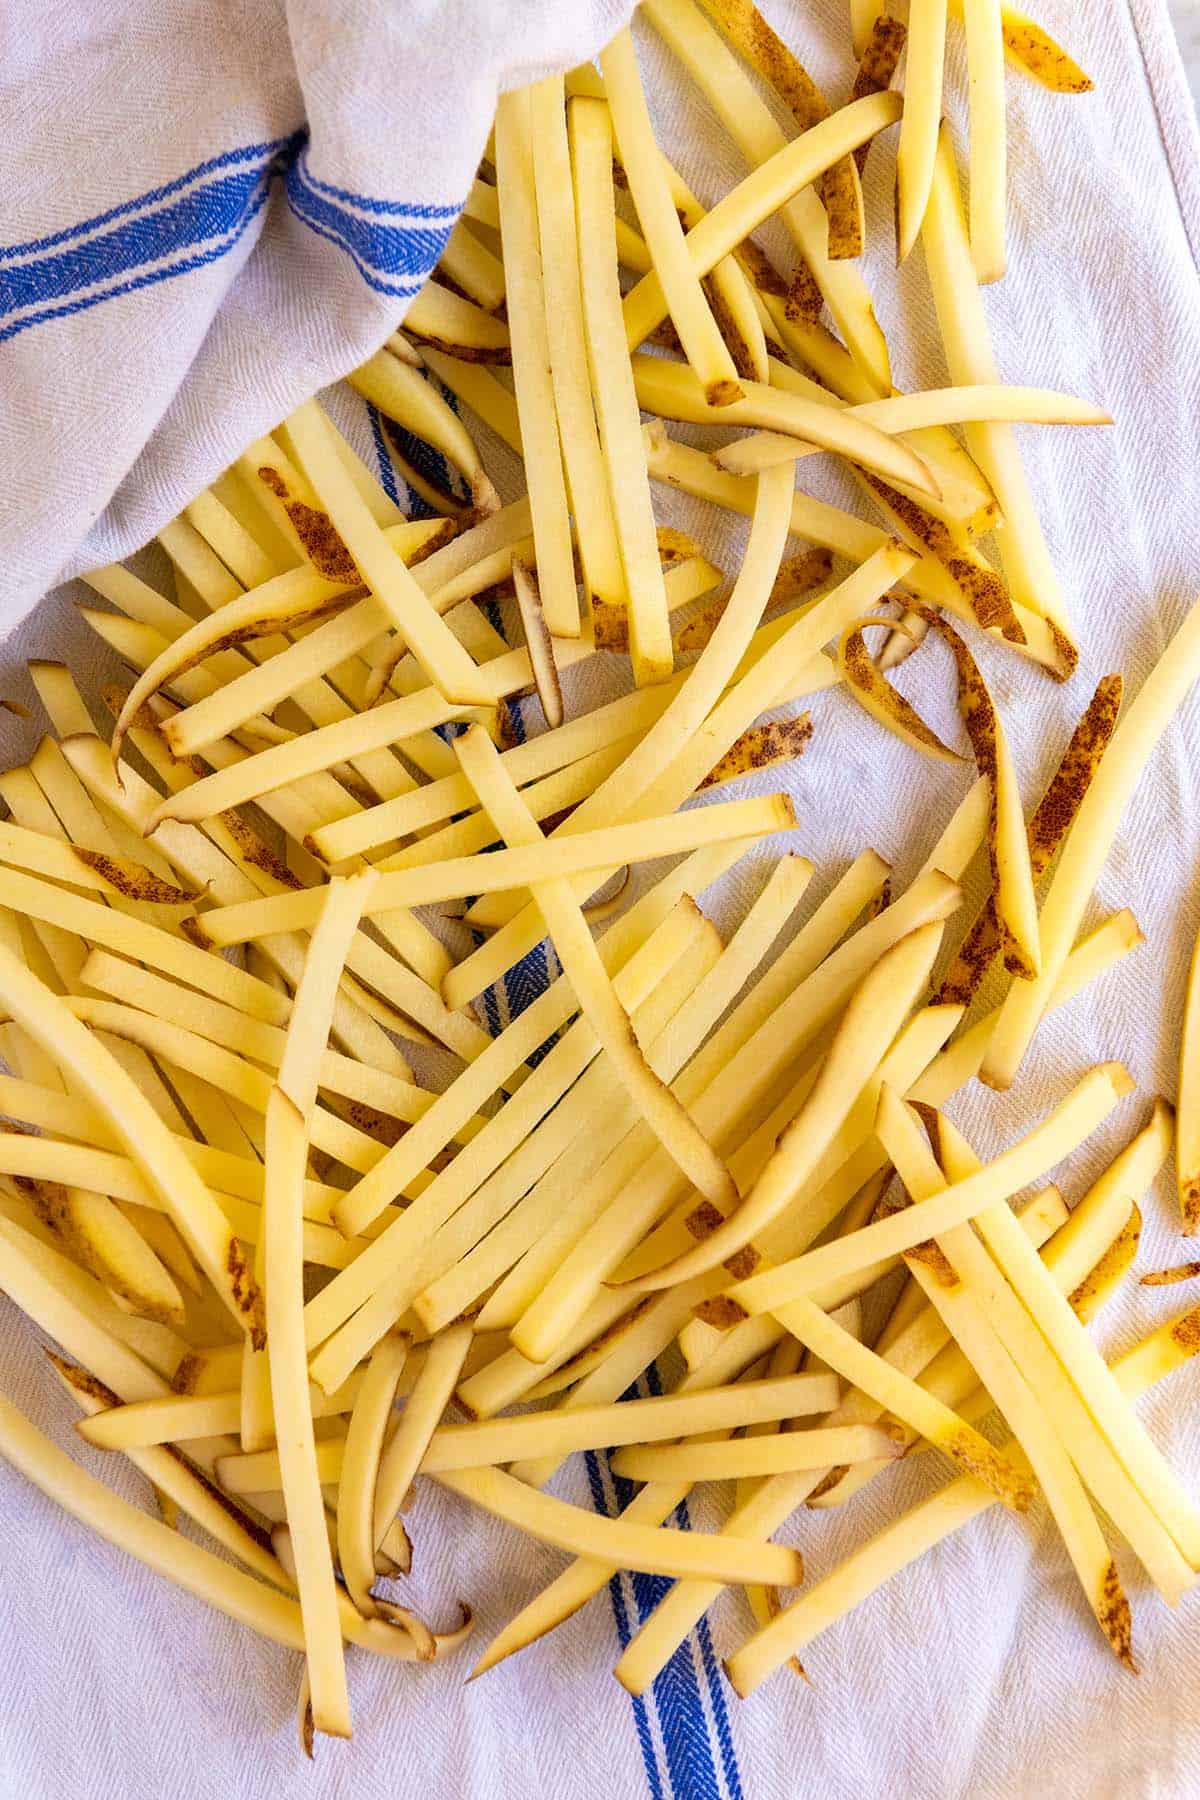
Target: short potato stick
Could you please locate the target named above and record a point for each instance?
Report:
(533, 381)
(590, 133)
(449, 322)
(402, 1457)
(703, 345)
(1088, 842)
(788, 1453)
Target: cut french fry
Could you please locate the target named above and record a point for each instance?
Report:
(988, 153)
(288, 1112)
(360, 1468)
(917, 151)
(749, 121)
(674, 392)
(560, 857)
(446, 321)
(1187, 1149)
(1084, 1108)
(587, 480)
(1088, 842)
(871, 1020)
(655, 1551)
(440, 1371)
(532, 378)
(703, 345)
(590, 133)
(963, 326)
(788, 1453)
(1052, 818)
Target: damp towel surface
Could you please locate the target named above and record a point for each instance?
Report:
(977, 1672)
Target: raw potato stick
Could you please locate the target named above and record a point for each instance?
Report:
(532, 375)
(617, 416)
(703, 345)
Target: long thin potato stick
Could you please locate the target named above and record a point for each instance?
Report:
(789, 1452)
(559, 857)
(917, 150)
(1187, 1149)
(963, 326)
(532, 379)
(289, 1109)
(630, 1546)
(590, 132)
(703, 345)
(988, 152)
(587, 480)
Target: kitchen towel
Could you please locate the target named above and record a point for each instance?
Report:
(977, 1672)
(212, 208)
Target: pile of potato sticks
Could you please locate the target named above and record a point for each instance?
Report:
(291, 1281)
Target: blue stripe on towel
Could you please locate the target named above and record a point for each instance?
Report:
(255, 153)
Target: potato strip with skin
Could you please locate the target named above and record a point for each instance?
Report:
(1087, 844)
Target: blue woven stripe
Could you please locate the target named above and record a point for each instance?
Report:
(392, 251)
(150, 279)
(400, 290)
(387, 474)
(213, 211)
(621, 1618)
(255, 153)
(406, 209)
